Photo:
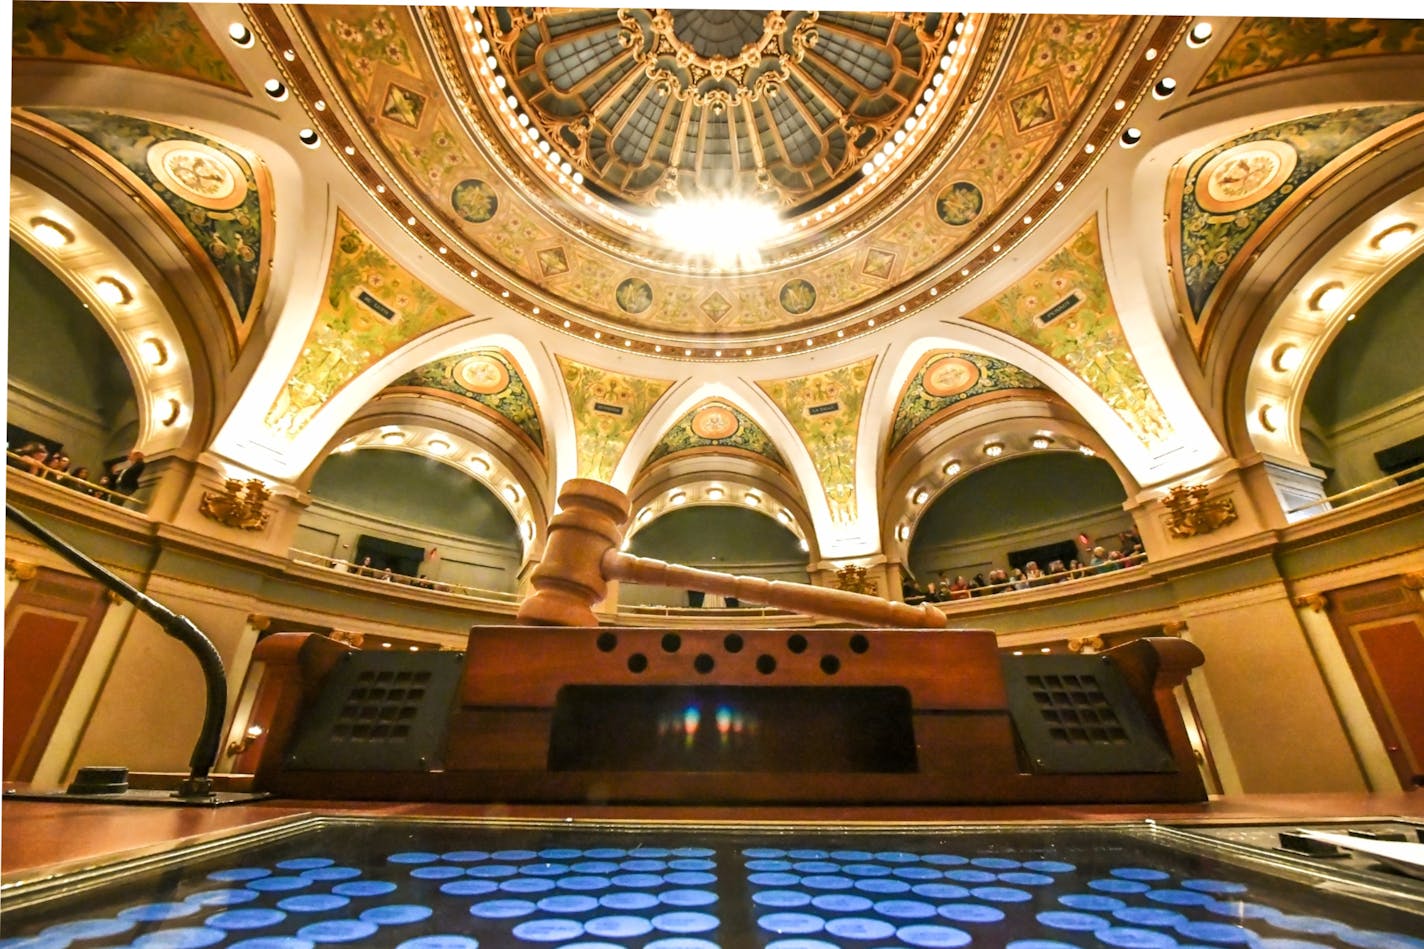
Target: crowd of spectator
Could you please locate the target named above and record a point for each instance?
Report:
(120, 480)
(997, 580)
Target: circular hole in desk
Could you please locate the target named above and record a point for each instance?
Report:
(859, 644)
(703, 663)
(765, 664)
(732, 643)
(830, 665)
(672, 642)
(796, 643)
(607, 642)
(637, 662)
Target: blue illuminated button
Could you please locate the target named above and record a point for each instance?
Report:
(767, 865)
(807, 854)
(860, 927)
(677, 942)
(995, 863)
(693, 852)
(397, 914)
(657, 852)
(917, 873)
(632, 900)
(841, 903)
(595, 945)
(221, 897)
(331, 873)
(1091, 901)
(866, 870)
(638, 881)
(338, 930)
(931, 936)
(596, 867)
(774, 879)
(971, 876)
(502, 909)
(815, 866)
(904, 909)
(1048, 866)
(548, 930)
(883, 887)
(895, 856)
(158, 912)
(546, 869)
(313, 903)
(644, 865)
(605, 853)
(279, 884)
(187, 937)
(1126, 937)
(437, 873)
(239, 874)
(469, 887)
(413, 856)
(492, 871)
(827, 883)
(685, 921)
(560, 853)
(442, 941)
(688, 897)
(1119, 886)
(1310, 925)
(568, 904)
(35, 942)
(1039, 944)
(798, 942)
(692, 864)
(462, 856)
(971, 913)
(945, 859)
(781, 898)
(1240, 909)
(273, 942)
(794, 923)
(513, 855)
(305, 863)
(584, 883)
(1078, 922)
(940, 891)
(527, 885)
(1375, 939)
(1019, 878)
(1147, 916)
(365, 888)
(850, 855)
(1139, 873)
(87, 929)
(690, 878)
(1000, 894)
(1214, 886)
(245, 919)
(763, 852)
(618, 927)
(1179, 897)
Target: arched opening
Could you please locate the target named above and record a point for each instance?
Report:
(415, 515)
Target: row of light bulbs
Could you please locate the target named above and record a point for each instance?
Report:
(716, 493)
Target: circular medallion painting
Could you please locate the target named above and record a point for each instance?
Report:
(474, 200)
(482, 373)
(715, 422)
(797, 296)
(959, 204)
(1244, 175)
(633, 295)
(198, 173)
(950, 376)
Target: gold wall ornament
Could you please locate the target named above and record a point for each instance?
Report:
(259, 621)
(1191, 513)
(1086, 644)
(855, 579)
(19, 569)
(349, 638)
(239, 504)
(1312, 601)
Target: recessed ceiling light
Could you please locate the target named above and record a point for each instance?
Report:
(155, 353)
(715, 493)
(479, 463)
(994, 449)
(438, 445)
(1131, 137)
(902, 532)
(1199, 34)
(1165, 87)
(113, 291)
(393, 438)
(1394, 238)
(921, 496)
(239, 34)
(1287, 357)
(173, 408)
(1086, 451)
(1041, 441)
(1270, 416)
(511, 492)
(309, 138)
(51, 233)
(1328, 296)
(752, 500)
(952, 468)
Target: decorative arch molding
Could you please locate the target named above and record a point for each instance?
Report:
(128, 295)
(483, 379)
(734, 486)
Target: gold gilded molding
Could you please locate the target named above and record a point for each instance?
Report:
(1191, 513)
(259, 621)
(1315, 602)
(20, 569)
(241, 504)
(1086, 644)
(854, 579)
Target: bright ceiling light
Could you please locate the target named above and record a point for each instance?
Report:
(438, 445)
(952, 469)
(393, 438)
(715, 494)
(51, 233)
(1328, 297)
(1270, 416)
(1287, 357)
(730, 232)
(1393, 239)
(993, 449)
(752, 500)
(678, 498)
(921, 496)
(154, 352)
(113, 291)
(1041, 441)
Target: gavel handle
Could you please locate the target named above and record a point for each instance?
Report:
(799, 597)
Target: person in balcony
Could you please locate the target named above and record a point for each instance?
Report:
(79, 479)
(57, 466)
(960, 589)
(128, 472)
(1034, 575)
(32, 457)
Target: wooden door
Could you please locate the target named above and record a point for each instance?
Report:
(1381, 630)
(50, 623)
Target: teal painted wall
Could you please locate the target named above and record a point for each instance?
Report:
(732, 535)
(414, 489)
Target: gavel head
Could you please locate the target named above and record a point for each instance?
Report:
(569, 580)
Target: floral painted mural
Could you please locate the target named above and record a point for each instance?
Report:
(944, 379)
(607, 408)
(716, 425)
(824, 409)
(1261, 45)
(158, 37)
(371, 307)
(1063, 308)
(1228, 192)
(213, 190)
(484, 377)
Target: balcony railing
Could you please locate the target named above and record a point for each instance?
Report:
(23, 466)
(1353, 495)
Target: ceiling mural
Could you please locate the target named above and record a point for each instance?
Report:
(607, 408)
(486, 379)
(1064, 309)
(218, 197)
(946, 378)
(1261, 45)
(824, 409)
(715, 425)
(156, 37)
(562, 251)
(1219, 200)
(371, 306)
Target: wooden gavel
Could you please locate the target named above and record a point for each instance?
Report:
(582, 557)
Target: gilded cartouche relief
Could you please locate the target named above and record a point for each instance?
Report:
(377, 54)
(156, 37)
(716, 425)
(1261, 45)
(825, 408)
(1064, 309)
(370, 307)
(945, 378)
(216, 196)
(487, 378)
(607, 408)
(1224, 201)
